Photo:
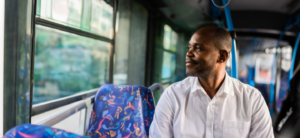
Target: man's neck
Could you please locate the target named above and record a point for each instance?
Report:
(212, 83)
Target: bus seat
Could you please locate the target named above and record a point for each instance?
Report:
(121, 111)
(38, 131)
(288, 121)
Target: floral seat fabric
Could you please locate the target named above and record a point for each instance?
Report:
(121, 111)
(38, 131)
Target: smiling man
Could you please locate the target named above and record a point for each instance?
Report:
(209, 103)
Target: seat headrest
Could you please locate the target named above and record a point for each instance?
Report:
(122, 110)
(38, 131)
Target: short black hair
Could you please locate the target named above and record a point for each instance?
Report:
(221, 38)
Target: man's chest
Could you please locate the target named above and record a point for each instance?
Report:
(222, 116)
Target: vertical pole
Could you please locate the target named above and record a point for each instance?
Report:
(81, 129)
(84, 123)
(17, 65)
(113, 45)
(32, 57)
(294, 57)
(274, 78)
(273, 91)
(2, 3)
(234, 69)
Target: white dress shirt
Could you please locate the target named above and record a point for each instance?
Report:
(186, 111)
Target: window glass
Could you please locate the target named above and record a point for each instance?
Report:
(170, 39)
(169, 65)
(86, 15)
(93, 16)
(167, 37)
(75, 10)
(38, 8)
(66, 64)
(169, 56)
(174, 41)
(101, 21)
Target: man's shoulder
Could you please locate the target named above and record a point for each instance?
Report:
(182, 86)
(187, 81)
(242, 88)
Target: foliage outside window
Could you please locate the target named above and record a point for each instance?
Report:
(66, 63)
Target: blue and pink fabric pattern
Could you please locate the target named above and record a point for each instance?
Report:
(38, 131)
(121, 111)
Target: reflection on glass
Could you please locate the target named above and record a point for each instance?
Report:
(86, 15)
(170, 39)
(93, 16)
(60, 10)
(101, 22)
(75, 10)
(169, 65)
(66, 64)
(174, 41)
(167, 37)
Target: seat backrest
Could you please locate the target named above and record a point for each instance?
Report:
(38, 131)
(121, 111)
(288, 120)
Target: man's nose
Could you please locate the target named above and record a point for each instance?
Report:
(189, 53)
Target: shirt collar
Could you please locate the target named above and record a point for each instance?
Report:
(228, 88)
(197, 86)
(225, 87)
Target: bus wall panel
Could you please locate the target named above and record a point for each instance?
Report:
(17, 62)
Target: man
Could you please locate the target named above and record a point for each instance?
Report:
(209, 103)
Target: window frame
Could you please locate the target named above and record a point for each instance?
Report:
(76, 31)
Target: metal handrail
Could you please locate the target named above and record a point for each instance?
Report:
(47, 106)
(77, 107)
(68, 112)
(155, 87)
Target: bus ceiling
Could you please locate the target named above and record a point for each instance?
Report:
(250, 18)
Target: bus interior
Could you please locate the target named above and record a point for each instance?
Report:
(57, 54)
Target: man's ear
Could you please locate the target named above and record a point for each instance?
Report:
(224, 55)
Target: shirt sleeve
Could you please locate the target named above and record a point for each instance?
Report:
(162, 124)
(261, 124)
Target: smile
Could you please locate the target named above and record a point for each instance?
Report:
(189, 63)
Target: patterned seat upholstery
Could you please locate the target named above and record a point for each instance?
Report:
(38, 131)
(121, 111)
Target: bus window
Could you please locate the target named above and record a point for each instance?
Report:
(94, 16)
(66, 64)
(169, 55)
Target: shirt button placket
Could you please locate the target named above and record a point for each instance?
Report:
(209, 121)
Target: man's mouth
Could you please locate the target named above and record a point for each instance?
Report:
(189, 63)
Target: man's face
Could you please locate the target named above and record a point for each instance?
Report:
(202, 55)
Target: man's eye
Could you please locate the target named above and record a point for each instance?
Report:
(188, 48)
